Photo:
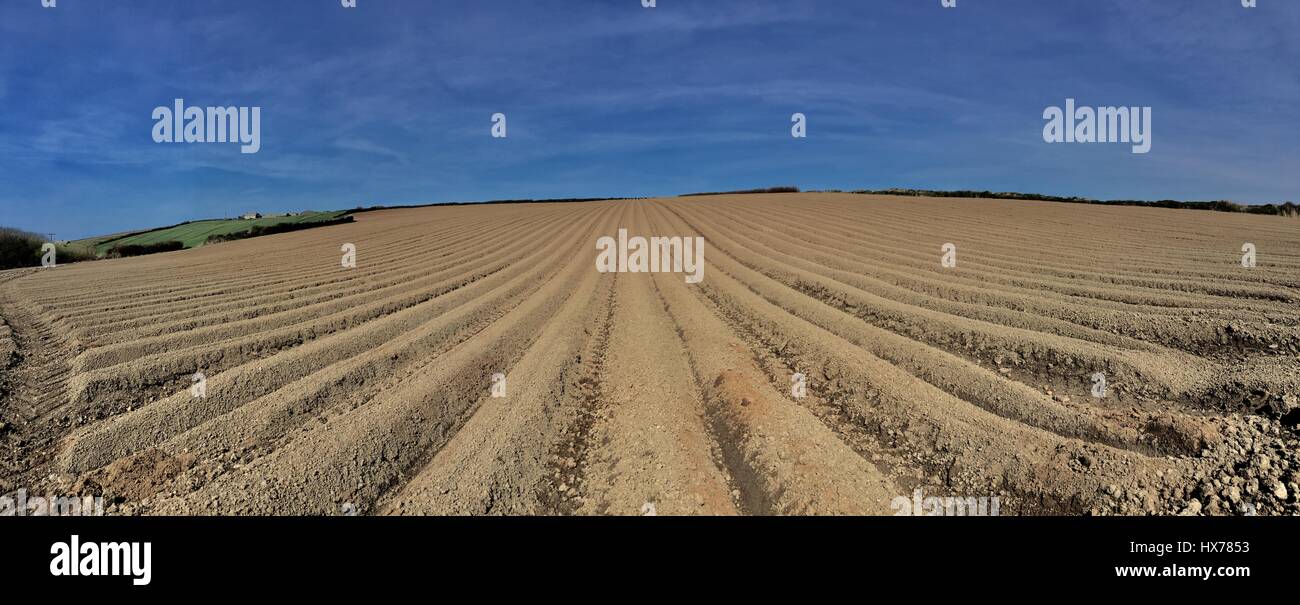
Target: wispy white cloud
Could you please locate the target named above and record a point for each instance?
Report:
(372, 148)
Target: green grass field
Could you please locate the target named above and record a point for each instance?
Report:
(195, 233)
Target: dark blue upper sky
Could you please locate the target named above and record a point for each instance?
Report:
(390, 102)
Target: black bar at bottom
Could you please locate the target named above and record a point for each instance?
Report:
(322, 554)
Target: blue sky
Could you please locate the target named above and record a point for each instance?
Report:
(390, 102)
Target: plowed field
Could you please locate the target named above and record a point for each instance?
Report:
(330, 389)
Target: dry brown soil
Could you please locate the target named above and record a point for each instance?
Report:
(370, 389)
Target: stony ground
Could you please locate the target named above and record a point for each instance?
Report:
(369, 389)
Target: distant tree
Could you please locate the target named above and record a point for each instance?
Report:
(143, 249)
(19, 248)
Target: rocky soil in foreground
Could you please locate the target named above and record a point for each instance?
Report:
(841, 354)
